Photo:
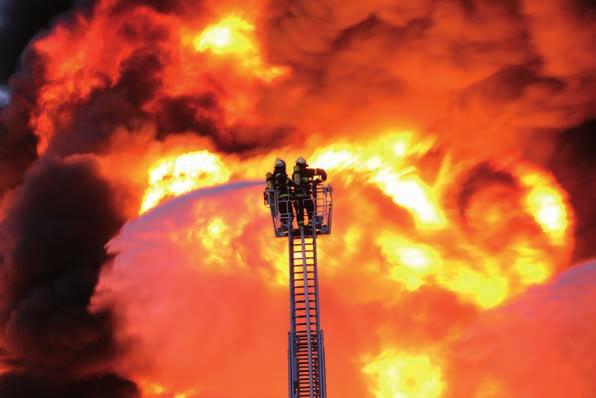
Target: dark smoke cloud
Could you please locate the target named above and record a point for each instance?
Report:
(17, 141)
(28, 386)
(22, 20)
(54, 235)
(162, 6)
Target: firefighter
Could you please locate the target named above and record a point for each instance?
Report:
(269, 180)
(303, 178)
(283, 186)
(269, 187)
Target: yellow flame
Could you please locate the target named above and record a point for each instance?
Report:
(410, 264)
(176, 175)
(216, 236)
(401, 375)
(412, 193)
(487, 287)
(530, 265)
(156, 390)
(231, 35)
(547, 205)
(480, 266)
(414, 265)
(235, 36)
(385, 161)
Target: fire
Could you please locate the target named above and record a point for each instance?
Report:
(231, 35)
(195, 100)
(401, 375)
(388, 163)
(436, 250)
(156, 390)
(547, 205)
(412, 193)
(175, 175)
(235, 37)
(411, 264)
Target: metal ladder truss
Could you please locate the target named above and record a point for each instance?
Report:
(306, 354)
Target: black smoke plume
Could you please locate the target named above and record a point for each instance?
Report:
(52, 252)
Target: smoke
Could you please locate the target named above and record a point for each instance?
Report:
(427, 65)
(473, 71)
(17, 140)
(540, 345)
(28, 386)
(54, 234)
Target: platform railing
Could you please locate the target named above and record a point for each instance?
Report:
(284, 210)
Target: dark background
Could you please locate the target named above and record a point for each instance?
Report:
(22, 20)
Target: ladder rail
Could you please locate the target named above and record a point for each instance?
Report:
(292, 366)
(320, 342)
(307, 305)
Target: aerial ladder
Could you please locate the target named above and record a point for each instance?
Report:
(306, 352)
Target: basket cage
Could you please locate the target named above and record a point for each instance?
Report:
(317, 210)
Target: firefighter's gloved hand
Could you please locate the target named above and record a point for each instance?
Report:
(323, 174)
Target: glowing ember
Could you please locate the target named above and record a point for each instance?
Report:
(401, 375)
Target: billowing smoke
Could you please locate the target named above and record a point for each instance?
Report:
(493, 71)
(438, 120)
(53, 238)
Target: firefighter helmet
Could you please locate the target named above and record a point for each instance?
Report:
(279, 162)
(301, 161)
